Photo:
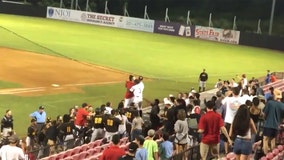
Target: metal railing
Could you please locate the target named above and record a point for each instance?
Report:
(192, 153)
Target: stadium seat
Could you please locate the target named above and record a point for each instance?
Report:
(83, 155)
(96, 143)
(123, 141)
(93, 151)
(95, 157)
(68, 158)
(124, 147)
(76, 150)
(68, 153)
(76, 156)
(84, 147)
(231, 156)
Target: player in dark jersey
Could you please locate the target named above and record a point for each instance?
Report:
(203, 77)
(111, 124)
(98, 125)
(130, 114)
(67, 132)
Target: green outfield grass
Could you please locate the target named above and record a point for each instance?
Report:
(173, 63)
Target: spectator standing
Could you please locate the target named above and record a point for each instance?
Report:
(203, 77)
(232, 103)
(128, 98)
(170, 117)
(151, 146)
(181, 130)
(130, 155)
(242, 128)
(40, 117)
(51, 135)
(268, 77)
(122, 127)
(166, 148)
(154, 115)
(11, 151)
(273, 77)
(113, 152)
(210, 125)
(7, 123)
(273, 114)
(137, 124)
(141, 153)
(108, 108)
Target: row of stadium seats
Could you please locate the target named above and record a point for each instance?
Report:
(276, 154)
(90, 151)
(278, 84)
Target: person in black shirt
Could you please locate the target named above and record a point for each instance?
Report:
(98, 125)
(67, 132)
(111, 124)
(7, 123)
(154, 115)
(169, 119)
(50, 135)
(31, 137)
(130, 114)
(203, 77)
(130, 155)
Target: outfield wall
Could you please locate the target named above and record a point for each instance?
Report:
(152, 26)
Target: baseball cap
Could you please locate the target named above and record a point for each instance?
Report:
(132, 147)
(13, 139)
(151, 132)
(277, 93)
(33, 120)
(41, 107)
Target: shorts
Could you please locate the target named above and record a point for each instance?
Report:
(223, 137)
(242, 146)
(269, 132)
(204, 149)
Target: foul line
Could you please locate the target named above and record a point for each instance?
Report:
(42, 89)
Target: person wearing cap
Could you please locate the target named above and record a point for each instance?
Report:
(40, 116)
(141, 153)
(111, 124)
(108, 108)
(113, 152)
(151, 145)
(273, 112)
(128, 97)
(210, 125)
(130, 155)
(11, 151)
(32, 133)
(7, 123)
(98, 125)
(203, 77)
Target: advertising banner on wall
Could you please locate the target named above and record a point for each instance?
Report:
(168, 28)
(137, 24)
(82, 17)
(217, 34)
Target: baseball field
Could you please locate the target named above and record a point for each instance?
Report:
(61, 64)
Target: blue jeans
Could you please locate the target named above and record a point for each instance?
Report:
(135, 133)
(242, 146)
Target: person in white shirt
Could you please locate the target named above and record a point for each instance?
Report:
(122, 127)
(244, 81)
(11, 151)
(232, 104)
(108, 108)
(137, 90)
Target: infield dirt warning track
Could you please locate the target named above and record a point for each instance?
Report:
(40, 74)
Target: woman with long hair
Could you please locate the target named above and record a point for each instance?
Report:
(181, 130)
(241, 130)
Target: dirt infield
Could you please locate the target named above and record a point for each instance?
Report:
(43, 74)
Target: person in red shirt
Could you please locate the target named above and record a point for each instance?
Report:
(210, 125)
(273, 78)
(81, 116)
(113, 152)
(128, 98)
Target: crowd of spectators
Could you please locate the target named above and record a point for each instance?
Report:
(170, 130)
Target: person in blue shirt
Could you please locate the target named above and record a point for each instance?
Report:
(273, 114)
(166, 148)
(141, 152)
(40, 117)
